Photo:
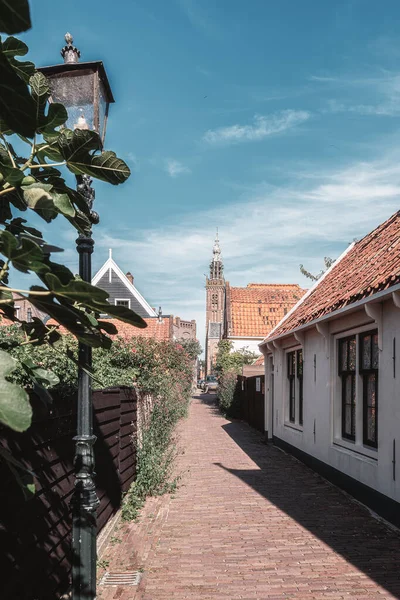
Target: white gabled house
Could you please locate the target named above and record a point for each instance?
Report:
(121, 288)
(332, 372)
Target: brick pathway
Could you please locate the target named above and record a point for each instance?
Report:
(249, 522)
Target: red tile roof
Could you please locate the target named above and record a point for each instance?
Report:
(371, 265)
(254, 310)
(157, 330)
(259, 361)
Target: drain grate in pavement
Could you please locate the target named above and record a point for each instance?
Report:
(127, 578)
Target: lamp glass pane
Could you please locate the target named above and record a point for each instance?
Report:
(75, 91)
(102, 108)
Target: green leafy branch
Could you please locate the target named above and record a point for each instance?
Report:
(35, 182)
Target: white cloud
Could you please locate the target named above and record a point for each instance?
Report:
(264, 236)
(262, 127)
(174, 167)
(380, 94)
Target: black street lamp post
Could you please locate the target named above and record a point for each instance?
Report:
(84, 90)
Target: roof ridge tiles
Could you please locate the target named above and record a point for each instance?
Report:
(370, 265)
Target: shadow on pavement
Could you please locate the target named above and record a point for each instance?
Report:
(346, 526)
(210, 400)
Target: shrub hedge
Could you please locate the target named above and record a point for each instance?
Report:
(160, 369)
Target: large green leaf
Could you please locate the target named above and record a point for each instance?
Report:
(24, 68)
(10, 173)
(91, 297)
(56, 116)
(63, 204)
(4, 128)
(120, 312)
(24, 254)
(23, 476)
(40, 91)
(5, 210)
(14, 16)
(59, 187)
(15, 410)
(71, 318)
(17, 226)
(75, 290)
(39, 333)
(106, 167)
(81, 223)
(78, 147)
(108, 327)
(12, 46)
(38, 374)
(50, 148)
(17, 108)
(77, 144)
(7, 302)
(37, 197)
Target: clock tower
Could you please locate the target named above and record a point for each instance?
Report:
(215, 306)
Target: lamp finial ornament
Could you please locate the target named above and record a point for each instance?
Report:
(70, 53)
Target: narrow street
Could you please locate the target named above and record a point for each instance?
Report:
(249, 522)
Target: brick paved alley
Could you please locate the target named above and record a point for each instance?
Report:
(250, 522)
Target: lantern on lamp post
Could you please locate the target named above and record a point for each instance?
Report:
(84, 90)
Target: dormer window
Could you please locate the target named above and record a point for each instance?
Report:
(123, 302)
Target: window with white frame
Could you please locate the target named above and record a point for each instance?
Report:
(123, 302)
(358, 364)
(295, 386)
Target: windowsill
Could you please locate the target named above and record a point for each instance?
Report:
(294, 426)
(355, 450)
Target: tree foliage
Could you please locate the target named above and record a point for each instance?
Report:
(328, 263)
(192, 347)
(35, 150)
(229, 360)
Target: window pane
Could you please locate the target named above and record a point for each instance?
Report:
(348, 407)
(349, 390)
(348, 420)
(375, 351)
(371, 390)
(291, 364)
(343, 355)
(370, 384)
(352, 354)
(299, 363)
(291, 402)
(366, 351)
(371, 425)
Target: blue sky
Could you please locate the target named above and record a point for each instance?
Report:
(278, 122)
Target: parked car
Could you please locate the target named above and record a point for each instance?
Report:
(210, 384)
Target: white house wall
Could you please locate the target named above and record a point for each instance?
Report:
(316, 437)
(250, 344)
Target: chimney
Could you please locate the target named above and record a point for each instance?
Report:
(129, 276)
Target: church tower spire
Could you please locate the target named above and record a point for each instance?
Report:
(215, 306)
(216, 265)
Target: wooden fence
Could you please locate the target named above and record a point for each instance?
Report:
(252, 400)
(35, 535)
